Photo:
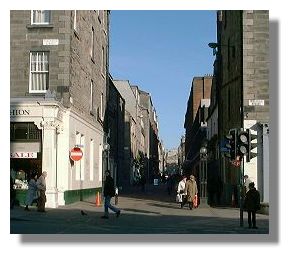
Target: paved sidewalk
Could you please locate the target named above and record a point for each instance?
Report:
(140, 214)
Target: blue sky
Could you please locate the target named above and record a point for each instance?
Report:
(161, 52)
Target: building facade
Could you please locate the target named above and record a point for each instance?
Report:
(59, 66)
(152, 140)
(195, 118)
(114, 127)
(243, 76)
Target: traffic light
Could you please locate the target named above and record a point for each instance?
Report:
(252, 146)
(245, 145)
(231, 144)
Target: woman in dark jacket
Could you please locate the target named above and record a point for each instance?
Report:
(252, 204)
(109, 192)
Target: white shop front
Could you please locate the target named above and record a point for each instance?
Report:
(42, 134)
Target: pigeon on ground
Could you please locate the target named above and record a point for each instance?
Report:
(83, 213)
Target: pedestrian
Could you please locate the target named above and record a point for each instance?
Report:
(12, 193)
(181, 191)
(247, 181)
(41, 185)
(170, 184)
(109, 192)
(143, 183)
(191, 190)
(31, 195)
(252, 204)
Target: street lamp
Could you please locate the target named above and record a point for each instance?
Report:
(203, 176)
(214, 46)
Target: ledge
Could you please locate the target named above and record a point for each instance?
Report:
(39, 26)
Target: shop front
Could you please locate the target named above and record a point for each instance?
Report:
(25, 155)
(42, 135)
(34, 127)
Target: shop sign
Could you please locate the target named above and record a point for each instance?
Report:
(256, 102)
(50, 42)
(19, 112)
(25, 111)
(23, 155)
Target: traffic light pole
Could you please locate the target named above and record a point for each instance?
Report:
(242, 193)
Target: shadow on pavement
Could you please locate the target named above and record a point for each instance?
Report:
(67, 221)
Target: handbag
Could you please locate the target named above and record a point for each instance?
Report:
(195, 201)
(179, 198)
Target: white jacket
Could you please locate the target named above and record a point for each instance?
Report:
(41, 183)
(181, 186)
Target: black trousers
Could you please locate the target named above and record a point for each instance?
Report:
(252, 218)
(184, 201)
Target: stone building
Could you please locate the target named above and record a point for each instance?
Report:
(172, 161)
(151, 129)
(135, 135)
(114, 126)
(59, 66)
(181, 154)
(200, 90)
(243, 88)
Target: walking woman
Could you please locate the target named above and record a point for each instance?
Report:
(32, 191)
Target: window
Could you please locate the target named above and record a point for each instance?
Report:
(228, 54)
(39, 74)
(101, 106)
(225, 19)
(100, 166)
(229, 104)
(24, 131)
(91, 96)
(40, 17)
(82, 161)
(103, 61)
(91, 158)
(100, 15)
(79, 165)
(92, 44)
(75, 20)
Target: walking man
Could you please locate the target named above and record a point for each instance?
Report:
(191, 190)
(252, 204)
(109, 192)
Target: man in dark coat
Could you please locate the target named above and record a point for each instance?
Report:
(252, 204)
(191, 189)
(109, 192)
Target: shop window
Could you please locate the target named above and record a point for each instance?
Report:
(21, 131)
(24, 131)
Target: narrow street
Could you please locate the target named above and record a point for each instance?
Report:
(152, 212)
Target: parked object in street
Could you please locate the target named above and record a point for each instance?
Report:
(31, 195)
(109, 192)
(252, 204)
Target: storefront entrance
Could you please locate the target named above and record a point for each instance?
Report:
(25, 153)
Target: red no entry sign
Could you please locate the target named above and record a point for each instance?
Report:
(76, 154)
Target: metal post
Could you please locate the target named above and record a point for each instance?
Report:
(242, 193)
